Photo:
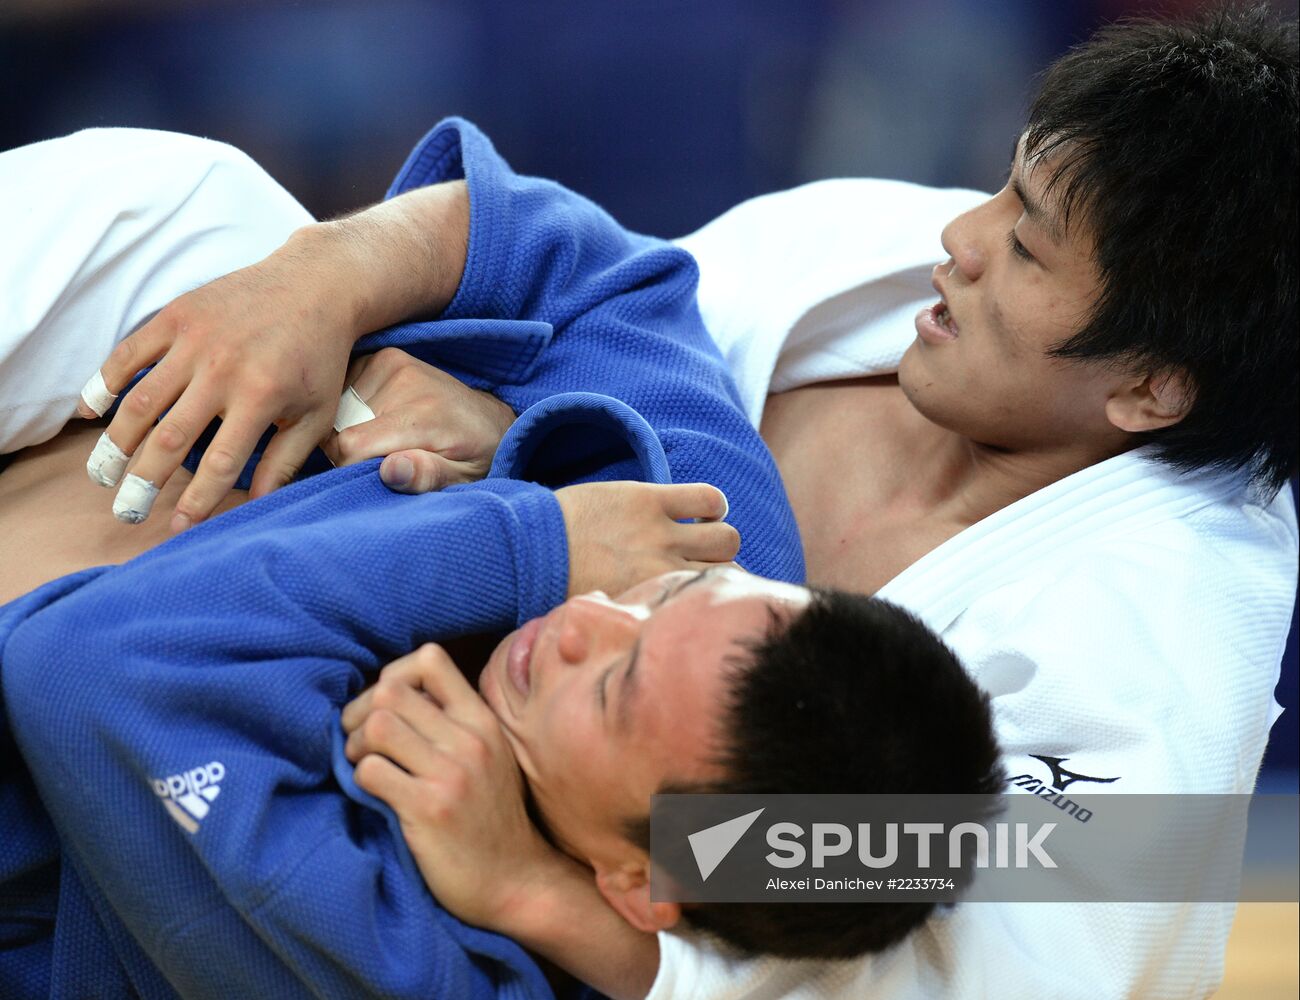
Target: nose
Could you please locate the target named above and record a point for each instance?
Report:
(964, 239)
(595, 625)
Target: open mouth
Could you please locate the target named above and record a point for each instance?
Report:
(935, 325)
(943, 318)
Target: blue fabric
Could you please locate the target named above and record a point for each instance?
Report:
(226, 653)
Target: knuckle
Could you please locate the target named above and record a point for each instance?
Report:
(139, 401)
(429, 655)
(477, 750)
(434, 809)
(457, 782)
(379, 726)
(259, 391)
(124, 353)
(384, 697)
(349, 443)
(223, 462)
(172, 436)
(174, 316)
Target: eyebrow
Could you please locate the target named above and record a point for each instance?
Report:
(628, 688)
(1037, 214)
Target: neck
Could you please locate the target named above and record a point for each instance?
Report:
(970, 481)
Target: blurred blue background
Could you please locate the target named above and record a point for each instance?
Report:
(667, 112)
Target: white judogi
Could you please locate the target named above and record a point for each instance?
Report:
(1127, 618)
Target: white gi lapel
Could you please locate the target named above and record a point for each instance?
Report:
(1120, 496)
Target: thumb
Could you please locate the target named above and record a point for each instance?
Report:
(417, 471)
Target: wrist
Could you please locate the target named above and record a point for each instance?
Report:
(563, 918)
(324, 266)
(398, 260)
(529, 906)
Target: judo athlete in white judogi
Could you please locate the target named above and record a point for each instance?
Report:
(1126, 617)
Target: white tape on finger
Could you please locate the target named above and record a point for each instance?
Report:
(95, 394)
(134, 500)
(107, 462)
(352, 411)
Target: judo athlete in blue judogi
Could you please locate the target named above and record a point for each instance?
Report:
(175, 719)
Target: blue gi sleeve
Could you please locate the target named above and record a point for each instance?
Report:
(623, 322)
(178, 713)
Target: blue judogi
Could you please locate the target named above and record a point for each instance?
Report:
(178, 715)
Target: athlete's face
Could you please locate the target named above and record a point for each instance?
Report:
(604, 699)
(1016, 284)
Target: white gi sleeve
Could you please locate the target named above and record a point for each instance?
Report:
(102, 229)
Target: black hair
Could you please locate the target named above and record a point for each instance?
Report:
(1177, 143)
(854, 695)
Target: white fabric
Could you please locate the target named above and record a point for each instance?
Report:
(102, 229)
(1126, 618)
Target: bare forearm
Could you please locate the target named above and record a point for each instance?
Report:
(398, 260)
(569, 923)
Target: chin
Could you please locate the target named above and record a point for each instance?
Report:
(928, 392)
(913, 379)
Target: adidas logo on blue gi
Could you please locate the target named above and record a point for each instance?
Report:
(187, 795)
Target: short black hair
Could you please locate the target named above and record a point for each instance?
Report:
(1178, 146)
(854, 695)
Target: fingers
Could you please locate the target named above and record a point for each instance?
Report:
(429, 670)
(406, 469)
(698, 501)
(351, 410)
(711, 542)
(149, 398)
(383, 779)
(284, 456)
(363, 441)
(164, 451)
(223, 460)
(95, 397)
(421, 715)
(138, 351)
(392, 735)
(162, 454)
(416, 471)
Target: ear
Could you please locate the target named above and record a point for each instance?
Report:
(627, 890)
(1151, 402)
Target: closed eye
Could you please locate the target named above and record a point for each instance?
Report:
(1018, 248)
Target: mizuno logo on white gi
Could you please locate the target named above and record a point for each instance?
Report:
(187, 795)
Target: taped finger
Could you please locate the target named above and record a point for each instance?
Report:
(96, 396)
(352, 410)
(107, 462)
